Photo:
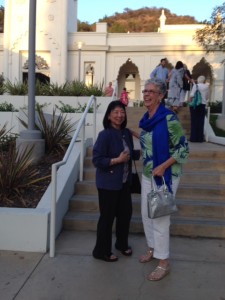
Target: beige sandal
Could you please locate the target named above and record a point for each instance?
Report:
(147, 257)
(159, 273)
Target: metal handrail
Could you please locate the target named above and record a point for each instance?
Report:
(55, 166)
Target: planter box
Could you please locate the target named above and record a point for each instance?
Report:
(11, 118)
(22, 101)
(25, 229)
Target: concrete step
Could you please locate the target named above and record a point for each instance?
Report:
(200, 196)
(197, 227)
(213, 177)
(207, 176)
(199, 208)
(204, 165)
(89, 203)
(201, 191)
(180, 226)
(88, 222)
(185, 190)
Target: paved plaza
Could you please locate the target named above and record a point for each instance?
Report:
(197, 272)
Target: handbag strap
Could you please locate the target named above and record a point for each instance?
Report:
(135, 165)
(154, 188)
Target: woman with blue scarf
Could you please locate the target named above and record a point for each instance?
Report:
(164, 150)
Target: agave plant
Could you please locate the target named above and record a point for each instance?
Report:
(3, 131)
(17, 88)
(56, 132)
(54, 89)
(78, 88)
(95, 89)
(16, 174)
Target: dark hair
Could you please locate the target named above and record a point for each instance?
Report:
(163, 59)
(112, 105)
(179, 65)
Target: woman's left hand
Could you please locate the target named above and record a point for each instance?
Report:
(158, 171)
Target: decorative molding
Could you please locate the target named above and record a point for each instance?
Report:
(51, 17)
(40, 63)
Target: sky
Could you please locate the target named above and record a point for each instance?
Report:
(92, 10)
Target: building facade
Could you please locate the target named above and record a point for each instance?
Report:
(63, 54)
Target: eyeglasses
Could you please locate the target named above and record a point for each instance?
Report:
(150, 92)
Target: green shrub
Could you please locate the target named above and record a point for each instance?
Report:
(217, 131)
(6, 140)
(67, 108)
(17, 88)
(56, 132)
(5, 106)
(16, 174)
(54, 89)
(215, 107)
(78, 88)
(73, 88)
(96, 90)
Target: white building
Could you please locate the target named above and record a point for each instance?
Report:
(65, 54)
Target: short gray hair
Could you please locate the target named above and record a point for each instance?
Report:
(201, 79)
(161, 85)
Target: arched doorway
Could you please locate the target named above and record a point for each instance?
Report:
(129, 77)
(203, 68)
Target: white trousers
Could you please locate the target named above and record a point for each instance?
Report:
(157, 231)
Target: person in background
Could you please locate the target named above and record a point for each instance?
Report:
(124, 97)
(187, 81)
(112, 156)
(164, 150)
(161, 72)
(175, 86)
(109, 90)
(198, 112)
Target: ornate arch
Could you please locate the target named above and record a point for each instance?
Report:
(203, 68)
(40, 63)
(128, 76)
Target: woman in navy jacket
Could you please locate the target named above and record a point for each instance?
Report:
(112, 156)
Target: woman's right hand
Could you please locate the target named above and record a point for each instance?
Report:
(124, 156)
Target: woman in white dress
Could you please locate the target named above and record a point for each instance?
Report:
(175, 86)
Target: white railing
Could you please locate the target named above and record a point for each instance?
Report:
(80, 128)
(207, 124)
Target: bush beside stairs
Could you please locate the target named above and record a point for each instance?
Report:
(200, 197)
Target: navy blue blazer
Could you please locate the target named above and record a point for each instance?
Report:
(109, 144)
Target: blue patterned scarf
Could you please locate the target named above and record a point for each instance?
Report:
(160, 140)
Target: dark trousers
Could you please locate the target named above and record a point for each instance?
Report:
(113, 204)
(197, 123)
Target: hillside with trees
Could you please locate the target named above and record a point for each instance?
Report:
(145, 19)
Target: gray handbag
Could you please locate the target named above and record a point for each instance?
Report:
(160, 201)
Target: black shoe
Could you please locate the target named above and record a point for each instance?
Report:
(110, 258)
(127, 252)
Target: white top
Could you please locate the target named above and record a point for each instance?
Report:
(204, 90)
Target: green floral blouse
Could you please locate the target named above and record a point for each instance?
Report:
(178, 148)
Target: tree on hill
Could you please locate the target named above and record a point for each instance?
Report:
(2, 12)
(211, 37)
(145, 19)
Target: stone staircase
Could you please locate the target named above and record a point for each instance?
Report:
(200, 197)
